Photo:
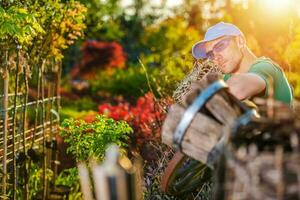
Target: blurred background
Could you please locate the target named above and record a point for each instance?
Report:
(115, 64)
(134, 47)
(134, 53)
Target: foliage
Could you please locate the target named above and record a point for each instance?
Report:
(167, 61)
(191, 11)
(292, 52)
(294, 80)
(89, 140)
(169, 45)
(82, 104)
(35, 179)
(145, 117)
(75, 106)
(102, 24)
(51, 27)
(102, 19)
(35, 182)
(130, 82)
(98, 55)
(17, 25)
(68, 112)
(110, 21)
(69, 29)
(34, 33)
(69, 178)
(117, 112)
(134, 22)
(148, 117)
(64, 25)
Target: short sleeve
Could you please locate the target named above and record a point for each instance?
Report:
(267, 71)
(226, 77)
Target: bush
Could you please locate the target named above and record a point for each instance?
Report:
(130, 82)
(97, 55)
(146, 117)
(70, 179)
(169, 53)
(89, 140)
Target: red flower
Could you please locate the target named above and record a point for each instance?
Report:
(90, 118)
(145, 117)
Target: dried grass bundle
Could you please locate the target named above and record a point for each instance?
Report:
(200, 69)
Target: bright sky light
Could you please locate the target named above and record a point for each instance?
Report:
(170, 3)
(274, 6)
(277, 5)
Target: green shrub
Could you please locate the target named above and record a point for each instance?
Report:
(130, 82)
(89, 140)
(36, 178)
(69, 178)
(169, 44)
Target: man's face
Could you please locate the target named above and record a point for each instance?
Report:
(225, 53)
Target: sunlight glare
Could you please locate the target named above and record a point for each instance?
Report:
(277, 5)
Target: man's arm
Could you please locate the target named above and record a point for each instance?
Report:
(245, 85)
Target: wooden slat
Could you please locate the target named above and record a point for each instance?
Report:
(201, 136)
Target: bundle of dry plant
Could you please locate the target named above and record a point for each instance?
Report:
(200, 69)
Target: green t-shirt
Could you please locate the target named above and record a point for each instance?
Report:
(266, 69)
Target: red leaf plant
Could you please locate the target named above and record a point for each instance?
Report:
(98, 55)
(145, 117)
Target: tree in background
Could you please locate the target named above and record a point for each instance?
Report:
(109, 21)
(169, 45)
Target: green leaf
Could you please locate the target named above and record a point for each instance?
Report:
(92, 138)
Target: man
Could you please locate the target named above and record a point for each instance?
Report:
(246, 75)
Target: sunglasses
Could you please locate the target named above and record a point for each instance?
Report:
(220, 46)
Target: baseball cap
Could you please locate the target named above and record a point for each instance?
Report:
(216, 31)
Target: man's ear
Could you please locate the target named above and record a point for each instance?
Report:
(241, 41)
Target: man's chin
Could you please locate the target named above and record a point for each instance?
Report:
(224, 70)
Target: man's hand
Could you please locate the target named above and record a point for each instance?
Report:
(245, 85)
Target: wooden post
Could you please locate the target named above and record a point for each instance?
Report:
(5, 122)
(116, 179)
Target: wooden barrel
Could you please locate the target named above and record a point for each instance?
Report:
(262, 160)
(196, 125)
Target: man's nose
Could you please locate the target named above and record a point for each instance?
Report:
(217, 57)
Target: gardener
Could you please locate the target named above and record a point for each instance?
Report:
(246, 75)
